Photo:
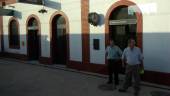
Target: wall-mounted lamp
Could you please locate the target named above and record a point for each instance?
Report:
(93, 18)
(43, 10)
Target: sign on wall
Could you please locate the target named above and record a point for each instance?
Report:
(39, 2)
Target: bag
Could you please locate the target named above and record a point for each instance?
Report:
(141, 71)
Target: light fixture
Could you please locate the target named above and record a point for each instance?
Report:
(93, 18)
(43, 10)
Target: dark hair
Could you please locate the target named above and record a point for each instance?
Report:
(130, 40)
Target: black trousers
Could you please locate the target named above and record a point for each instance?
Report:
(113, 67)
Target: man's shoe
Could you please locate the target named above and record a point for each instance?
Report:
(122, 90)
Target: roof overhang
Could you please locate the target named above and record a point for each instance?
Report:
(39, 2)
(6, 12)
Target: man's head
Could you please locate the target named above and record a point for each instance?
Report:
(111, 42)
(131, 43)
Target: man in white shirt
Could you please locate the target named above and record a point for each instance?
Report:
(132, 56)
(113, 55)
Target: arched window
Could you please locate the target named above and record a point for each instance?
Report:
(61, 26)
(14, 35)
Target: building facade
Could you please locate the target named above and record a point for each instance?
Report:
(63, 33)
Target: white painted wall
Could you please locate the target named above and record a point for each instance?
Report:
(98, 56)
(22, 15)
(73, 10)
(156, 33)
(157, 37)
(156, 30)
(25, 10)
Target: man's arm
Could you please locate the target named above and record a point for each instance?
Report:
(141, 59)
(106, 51)
(120, 51)
(140, 55)
(124, 58)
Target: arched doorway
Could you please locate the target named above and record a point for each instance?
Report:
(123, 21)
(122, 26)
(33, 39)
(59, 40)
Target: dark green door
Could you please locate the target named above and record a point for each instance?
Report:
(59, 43)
